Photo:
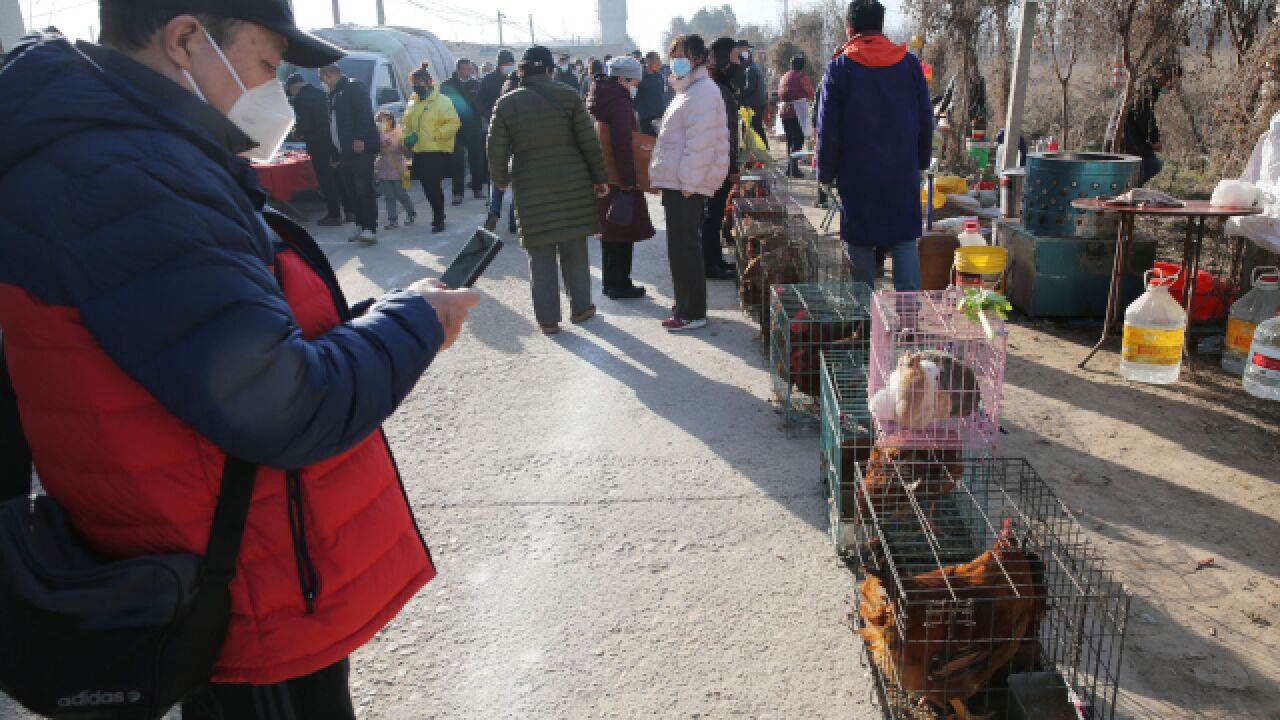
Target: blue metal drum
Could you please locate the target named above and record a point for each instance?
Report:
(1054, 180)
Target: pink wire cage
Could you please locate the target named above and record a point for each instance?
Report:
(935, 378)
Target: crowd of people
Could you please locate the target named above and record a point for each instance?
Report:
(173, 338)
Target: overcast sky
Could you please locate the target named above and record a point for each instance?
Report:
(470, 20)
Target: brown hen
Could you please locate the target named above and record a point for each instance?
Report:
(962, 624)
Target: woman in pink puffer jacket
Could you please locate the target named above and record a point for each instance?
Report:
(690, 161)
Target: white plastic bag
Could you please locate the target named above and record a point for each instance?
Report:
(802, 114)
(1236, 193)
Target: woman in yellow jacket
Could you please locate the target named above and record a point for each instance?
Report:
(433, 119)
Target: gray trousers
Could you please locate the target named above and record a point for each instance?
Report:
(684, 251)
(571, 260)
(393, 193)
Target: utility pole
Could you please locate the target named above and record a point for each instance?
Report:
(382, 14)
(1018, 93)
(500, 16)
(337, 12)
(532, 41)
(786, 17)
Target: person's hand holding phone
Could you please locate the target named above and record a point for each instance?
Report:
(451, 306)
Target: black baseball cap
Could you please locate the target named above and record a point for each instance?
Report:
(305, 50)
(538, 57)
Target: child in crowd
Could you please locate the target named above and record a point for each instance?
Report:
(391, 169)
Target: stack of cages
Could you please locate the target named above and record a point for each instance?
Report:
(759, 226)
(805, 321)
(753, 184)
(982, 597)
(932, 393)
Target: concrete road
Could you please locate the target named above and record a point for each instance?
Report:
(621, 527)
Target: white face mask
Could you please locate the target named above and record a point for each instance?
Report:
(746, 56)
(633, 89)
(263, 113)
(507, 69)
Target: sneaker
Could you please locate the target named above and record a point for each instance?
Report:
(330, 221)
(368, 237)
(411, 219)
(721, 272)
(675, 324)
(392, 225)
(457, 199)
(549, 329)
(437, 227)
(625, 293)
(583, 316)
(491, 222)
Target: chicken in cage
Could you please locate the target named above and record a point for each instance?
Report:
(806, 320)
(973, 593)
(936, 376)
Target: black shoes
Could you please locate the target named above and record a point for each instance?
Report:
(437, 227)
(625, 293)
(479, 194)
(457, 199)
(491, 222)
(721, 272)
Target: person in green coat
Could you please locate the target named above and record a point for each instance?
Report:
(542, 141)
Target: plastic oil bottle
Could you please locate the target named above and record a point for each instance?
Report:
(1257, 305)
(1262, 374)
(1154, 326)
(972, 233)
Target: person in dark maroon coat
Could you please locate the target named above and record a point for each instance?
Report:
(609, 102)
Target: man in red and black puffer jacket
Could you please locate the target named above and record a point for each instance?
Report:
(156, 321)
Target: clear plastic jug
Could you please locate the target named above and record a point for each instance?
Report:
(1154, 328)
(1262, 375)
(1256, 306)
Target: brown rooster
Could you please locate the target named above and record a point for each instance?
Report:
(894, 474)
(962, 624)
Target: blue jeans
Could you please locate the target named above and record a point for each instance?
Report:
(495, 200)
(906, 265)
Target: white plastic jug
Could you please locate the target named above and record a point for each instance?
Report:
(1261, 377)
(1154, 327)
(972, 234)
(1257, 305)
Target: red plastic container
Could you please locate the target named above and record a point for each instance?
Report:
(1211, 300)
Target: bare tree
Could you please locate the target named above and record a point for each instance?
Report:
(1063, 30)
(1149, 33)
(1242, 20)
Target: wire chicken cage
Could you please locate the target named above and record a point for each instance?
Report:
(982, 595)
(766, 250)
(847, 438)
(826, 259)
(806, 320)
(935, 377)
(849, 449)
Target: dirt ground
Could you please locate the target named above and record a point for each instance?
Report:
(1164, 478)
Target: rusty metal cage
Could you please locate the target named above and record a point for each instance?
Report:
(806, 320)
(766, 250)
(936, 376)
(981, 593)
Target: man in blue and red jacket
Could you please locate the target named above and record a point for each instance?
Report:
(875, 136)
(156, 322)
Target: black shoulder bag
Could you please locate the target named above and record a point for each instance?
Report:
(91, 639)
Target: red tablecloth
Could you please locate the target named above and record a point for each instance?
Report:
(287, 175)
